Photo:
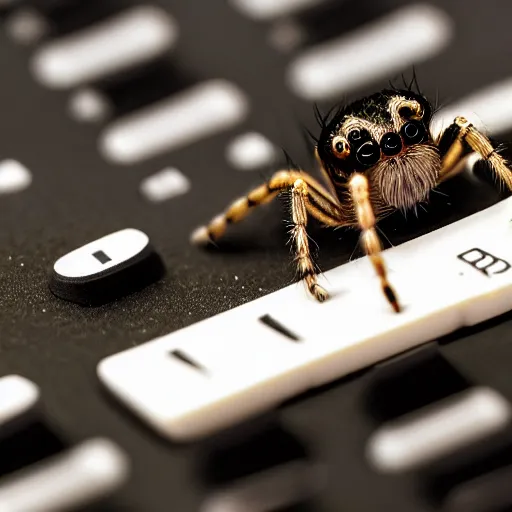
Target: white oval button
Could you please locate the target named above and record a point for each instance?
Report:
(106, 269)
(97, 256)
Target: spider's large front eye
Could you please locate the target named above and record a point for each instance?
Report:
(368, 154)
(340, 147)
(391, 144)
(413, 132)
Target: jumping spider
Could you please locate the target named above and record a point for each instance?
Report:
(377, 155)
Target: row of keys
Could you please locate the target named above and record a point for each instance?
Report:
(443, 428)
(141, 35)
(60, 481)
(373, 52)
(241, 363)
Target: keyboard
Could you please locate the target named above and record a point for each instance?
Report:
(141, 373)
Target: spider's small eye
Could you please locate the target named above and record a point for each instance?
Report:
(368, 154)
(413, 132)
(340, 147)
(355, 135)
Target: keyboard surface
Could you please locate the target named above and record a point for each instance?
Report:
(85, 154)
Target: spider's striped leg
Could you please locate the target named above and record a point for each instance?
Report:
(305, 264)
(360, 192)
(460, 132)
(239, 209)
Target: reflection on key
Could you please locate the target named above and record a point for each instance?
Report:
(438, 430)
(18, 396)
(14, 177)
(79, 476)
(489, 109)
(250, 151)
(131, 38)
(268, 9)
(164, 185)
(182, 119)
(485, 493)
(88, 105)
(268, 491)
(377, 50)
(26, 26)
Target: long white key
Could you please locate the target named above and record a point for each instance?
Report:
(18, 398)
(81, 475)
(389, 45)
(438, 430)
(182, 119)
(225, 369)
(489, 109)
(268, 9)
(128, 39)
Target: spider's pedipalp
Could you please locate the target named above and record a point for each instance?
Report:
(460, 131)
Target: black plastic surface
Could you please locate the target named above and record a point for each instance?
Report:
(77, 196)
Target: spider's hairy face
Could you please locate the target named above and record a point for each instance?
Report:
(386, 137)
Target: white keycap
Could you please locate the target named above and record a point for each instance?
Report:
(268, 9)
(489, 109)
(381, 49)
(198, 112)
(242, 367)
(102, 254)
(438, 430)
(131, 38)
(164, 185)
(18, 398)
(26, 26)
(286, 35)
(74, 479)
(89, 105)
(250, 151)
(14, 177)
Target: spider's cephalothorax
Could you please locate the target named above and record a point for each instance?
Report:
(377, 155)
(385, 137)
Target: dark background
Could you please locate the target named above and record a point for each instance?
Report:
(76, 197)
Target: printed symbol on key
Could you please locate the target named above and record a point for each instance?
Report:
(484, 261)
(101, 257)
